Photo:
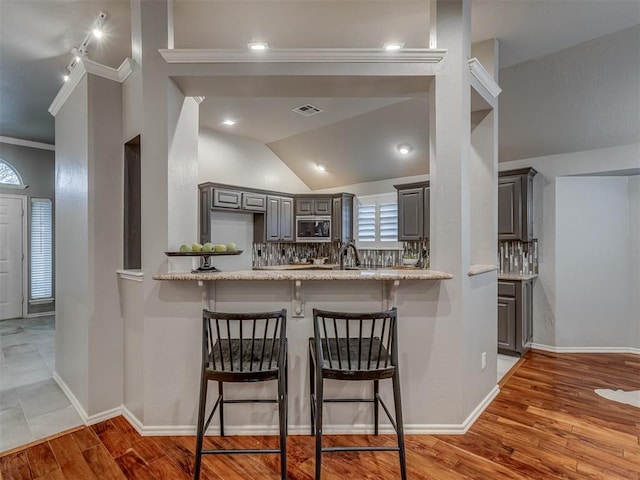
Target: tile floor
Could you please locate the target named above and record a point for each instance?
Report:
(505, 362)
(32, 405)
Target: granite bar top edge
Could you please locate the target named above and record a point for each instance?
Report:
(307, 275)
(479, 269)
(517, 276)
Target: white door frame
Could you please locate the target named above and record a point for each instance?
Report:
(25, 251)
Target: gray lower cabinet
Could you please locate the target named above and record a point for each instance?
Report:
(515, 205)
(279, 219)
(413, 212)
(515, 316)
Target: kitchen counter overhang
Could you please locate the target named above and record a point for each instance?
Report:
(302, 275)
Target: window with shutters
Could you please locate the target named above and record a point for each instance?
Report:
(377, 222)
(41, 264)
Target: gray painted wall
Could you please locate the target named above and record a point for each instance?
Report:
(582, 98)
(36, 168)
(634, 259)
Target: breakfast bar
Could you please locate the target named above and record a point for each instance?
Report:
(413, 291)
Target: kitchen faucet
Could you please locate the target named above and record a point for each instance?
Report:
(343, 253)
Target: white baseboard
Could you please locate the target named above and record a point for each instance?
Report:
(72, 398)
(361, 429)
(552, 349)
(86, 419)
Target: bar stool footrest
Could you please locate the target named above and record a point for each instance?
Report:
(238, 451)
(360, 449)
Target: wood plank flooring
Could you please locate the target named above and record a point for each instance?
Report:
(547, 423)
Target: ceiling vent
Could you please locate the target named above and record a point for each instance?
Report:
(307, 110)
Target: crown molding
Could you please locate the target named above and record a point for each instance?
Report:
(303, 55)
(83, 67)
(27, 143)
(482, 76)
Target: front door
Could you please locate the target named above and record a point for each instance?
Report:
(11, 269)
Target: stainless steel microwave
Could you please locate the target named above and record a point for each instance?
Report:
(313, 229)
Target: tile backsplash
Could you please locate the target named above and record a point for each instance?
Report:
(518, 257)
(269, 254)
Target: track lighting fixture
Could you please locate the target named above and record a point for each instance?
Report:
(81, 50)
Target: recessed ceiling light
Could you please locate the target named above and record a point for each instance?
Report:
(392, 47)
(405, 148)
(321, 167)
(229, 122)
(97, 33)
(65, 77)
(258, 46)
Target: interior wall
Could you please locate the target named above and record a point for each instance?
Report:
(237, 160)
(105, 249)
(592, 264)
(634, 260)
(36, 167)
(72, 240)
(581, 98)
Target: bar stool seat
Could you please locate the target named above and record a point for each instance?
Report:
(242, 347)
(355, 347)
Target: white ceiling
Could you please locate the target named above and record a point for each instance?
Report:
(36, 37)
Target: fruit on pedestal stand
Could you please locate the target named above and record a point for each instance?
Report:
(219, 247)
(231, 247)
(186, 248)
(207, 247)
(196, 247)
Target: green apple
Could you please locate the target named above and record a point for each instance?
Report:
(207, 247)
(231, 247)
(219, 247)
(196, 247)
(186, 248)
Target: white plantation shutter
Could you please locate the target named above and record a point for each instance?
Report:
(377, 221)
(41, 277)
(388, 222)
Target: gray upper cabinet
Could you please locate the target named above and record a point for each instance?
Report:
(413, 212)
(515, 205)
(254, 202)
(223, 198)
(279, 219)
(342, 218)
(313, 206)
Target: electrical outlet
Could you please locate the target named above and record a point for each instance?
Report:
(484, 360)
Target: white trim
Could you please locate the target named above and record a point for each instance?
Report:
(199, 100)
(72, 398)
(41, 301)
(80, 70)
(552, 349)
(133, 275)
(27, 143)
(302, 55)
(102, 416)
(486, 80)
(13, 186)
(417, 429)
(41, 314)
(25, 252)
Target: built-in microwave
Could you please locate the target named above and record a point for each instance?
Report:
(313, 229)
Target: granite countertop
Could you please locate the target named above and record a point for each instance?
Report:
(307, 274)
(517, 276)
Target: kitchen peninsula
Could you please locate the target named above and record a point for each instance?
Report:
(414, 292)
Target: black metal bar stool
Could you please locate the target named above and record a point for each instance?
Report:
(242, 347)
(355, 346)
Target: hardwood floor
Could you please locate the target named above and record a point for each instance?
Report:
(547, 423)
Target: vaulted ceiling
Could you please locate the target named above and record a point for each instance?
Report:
(36, 38)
